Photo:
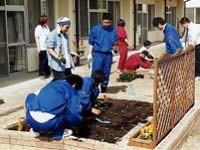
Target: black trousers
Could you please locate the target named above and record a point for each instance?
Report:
(57, 75)
(197, 60)
(44, 69)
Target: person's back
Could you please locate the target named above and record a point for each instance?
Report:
(132, 62)
(90, 91)
(172, 39)
(56, 106)
(52, 97)
(137, 60)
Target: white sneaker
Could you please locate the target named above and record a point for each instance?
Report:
(197, 78)
(33, 133)
(67, 132)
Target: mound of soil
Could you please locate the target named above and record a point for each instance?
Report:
(123, 115)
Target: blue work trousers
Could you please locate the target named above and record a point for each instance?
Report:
(102, 61)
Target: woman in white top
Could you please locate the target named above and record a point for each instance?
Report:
(41, 33)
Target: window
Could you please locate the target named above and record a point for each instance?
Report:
(171, 15)
(142, 22)
(83, 11)
(190, 13)
(50, 13)
(2, 27)
(114, 9)
(12, 37)
(97, 8)
(90, 13)
(44, 7)
(3, 46)
(17, 59)
(33, 17)
(95, 18)
(151, 15)
(3, 60)
(1, 2)
(97, 4)
(15, 26)
(14, 2)
(197, 16)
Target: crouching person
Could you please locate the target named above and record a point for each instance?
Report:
(90, 91)
(137, 60)
(55, 107)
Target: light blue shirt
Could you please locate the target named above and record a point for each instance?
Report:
(59, 43)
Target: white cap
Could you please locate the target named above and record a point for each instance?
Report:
(64, 21)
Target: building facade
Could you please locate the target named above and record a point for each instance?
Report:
(18, 19)
(193, 10)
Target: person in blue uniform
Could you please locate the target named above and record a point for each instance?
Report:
(171, 36)
(90, 91)
(102, 39)
(55, 107)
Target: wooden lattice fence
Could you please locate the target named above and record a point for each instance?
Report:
(174, 91)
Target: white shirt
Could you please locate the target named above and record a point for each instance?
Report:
(145, 49)
(193, 34)
(42, 33)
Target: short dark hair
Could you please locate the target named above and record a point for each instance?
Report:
(106, 16)
(121, 23)
(146, 53)
(43, 19)
(158, 20)
(98, 76)
(147, 43)
(75, 79)
(184, 20)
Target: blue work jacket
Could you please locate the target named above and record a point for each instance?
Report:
(102, 39)
(172, 39)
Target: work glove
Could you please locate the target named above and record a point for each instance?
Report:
(115, 50)
(89, 57)
(89, 60)
(62, 59)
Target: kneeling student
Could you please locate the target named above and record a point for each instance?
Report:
(55, 107)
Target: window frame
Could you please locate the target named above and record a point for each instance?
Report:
(89, 11)
(151, 27)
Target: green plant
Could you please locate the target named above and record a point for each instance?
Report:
(127, 76)
(99, 104)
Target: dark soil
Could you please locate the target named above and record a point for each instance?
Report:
(123, 115)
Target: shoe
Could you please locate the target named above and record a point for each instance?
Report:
(33, 133)
(119, 71)
(46, 77)
(197, 78)
(67, 132)
(103, 88)
(42, 77)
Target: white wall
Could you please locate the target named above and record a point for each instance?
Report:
(193, 3)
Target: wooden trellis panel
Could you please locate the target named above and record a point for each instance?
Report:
(173, 90)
